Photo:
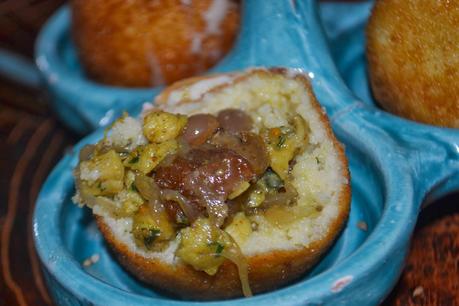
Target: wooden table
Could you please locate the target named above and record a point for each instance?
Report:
(32, 141)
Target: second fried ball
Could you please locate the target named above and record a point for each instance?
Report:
(413, 59)
(152, 42)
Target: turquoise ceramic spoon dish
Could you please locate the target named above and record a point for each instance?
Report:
(82, 104)
(394, 165)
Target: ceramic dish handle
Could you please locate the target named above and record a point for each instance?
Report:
(431, 152)
(19, 69)
(434, 157)
(270, 35)
(287, 33)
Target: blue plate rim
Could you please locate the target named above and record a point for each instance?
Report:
(382, 242)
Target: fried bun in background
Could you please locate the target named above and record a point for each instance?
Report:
(143, 43)
(413, 59)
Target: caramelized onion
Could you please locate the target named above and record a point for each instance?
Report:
(183, 147)
(105, 204)
(147, 187)
(217, 210)
(249, 145)
(205, 177)
(199, 128)
(86, 152)
(281, 198)
(215, 179)
(173, 195)
(234, 120)
(155, 196)
(91, 200)
(234, 254)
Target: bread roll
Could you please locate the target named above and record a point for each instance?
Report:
(413, 59)
(141, 43)
(278, 242)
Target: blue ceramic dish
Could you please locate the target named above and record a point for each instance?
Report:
(82, 104)
(392, 173)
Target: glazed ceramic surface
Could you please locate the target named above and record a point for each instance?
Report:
(394, 164)
(82, 104)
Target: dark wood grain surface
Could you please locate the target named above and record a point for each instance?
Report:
(32, 140)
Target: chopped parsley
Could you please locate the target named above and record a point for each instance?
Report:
(272, 180)
(218, 248)
(182, 220)
(281, 142)
(150, 236)
(101, 188)
(134, 160)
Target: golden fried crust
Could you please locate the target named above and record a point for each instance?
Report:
(413, 59)
(145, 43)
(267, 271)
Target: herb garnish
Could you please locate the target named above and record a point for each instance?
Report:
(134, 160)
(218, 248)
(281, 142)
(151, 235)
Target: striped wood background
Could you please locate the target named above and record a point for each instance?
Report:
(32, 141)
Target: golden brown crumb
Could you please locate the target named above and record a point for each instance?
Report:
(413, 59)
(145, 43)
